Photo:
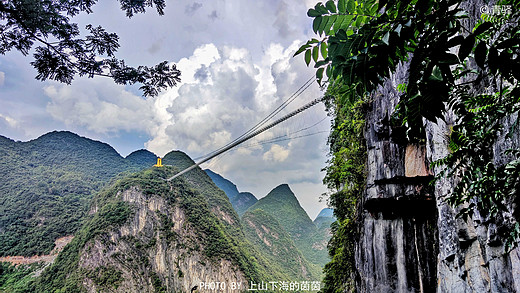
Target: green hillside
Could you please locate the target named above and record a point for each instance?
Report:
(47, 184)
(324, 219)
(128, 263)
(142, 158)
(240, 201)
(265, 232)
(282, 204)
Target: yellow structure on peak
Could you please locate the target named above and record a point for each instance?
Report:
(159, 163)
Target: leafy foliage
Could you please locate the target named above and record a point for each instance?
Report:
(105, 277)
(364, 42)
(346, 176)
(64, 275)
(62, 53)
(15, 278)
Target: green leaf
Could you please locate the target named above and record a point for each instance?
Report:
(447, 58)
(351, 6)
(342, 22)
(359, 21)
(466, 47)
(509, 43)
(321, 63)
(342, 6)
(313, 13)
(482, 28)
(308, 56)
(341, 34)
(323, 49)
(493, 59)
(436, 74)
(302, 48)
(321, 9)
(374, 8)
(319, 74)
(330, 21)
(315, 53)
(331, 6)
(455, 41)
(316, 23)
(480, 54)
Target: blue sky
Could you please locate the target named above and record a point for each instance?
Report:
(237, 66)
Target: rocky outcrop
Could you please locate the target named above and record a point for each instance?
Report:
(397, 248)
(156, 248)
(472, 258)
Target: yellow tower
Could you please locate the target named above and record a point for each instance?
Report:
(159, 163)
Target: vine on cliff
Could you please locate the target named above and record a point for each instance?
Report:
(346, 175)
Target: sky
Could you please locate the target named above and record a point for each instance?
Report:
(237, 65)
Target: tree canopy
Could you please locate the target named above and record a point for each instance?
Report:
(60, 51)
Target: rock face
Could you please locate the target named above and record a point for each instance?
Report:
(410, 239)
(161, 244)
(397, 249)
(471, 256)
(147, 234)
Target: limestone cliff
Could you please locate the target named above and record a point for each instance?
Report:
(156, 248)
(410, 238)
(397, 248)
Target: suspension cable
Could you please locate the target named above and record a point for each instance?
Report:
(243, 139)
(282, 106)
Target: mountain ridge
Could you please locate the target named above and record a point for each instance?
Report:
(47, 186)
(146, 234)
(282, 204)
(240, 201)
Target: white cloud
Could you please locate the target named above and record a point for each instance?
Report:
(276, 153)
(103, 108)
(11, 122)
(2, 78)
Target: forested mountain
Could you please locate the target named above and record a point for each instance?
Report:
(146, 234)
(266, 233)
(241, 201)
(324, 219)
(47, 184)
(136, 232)
(282, 205)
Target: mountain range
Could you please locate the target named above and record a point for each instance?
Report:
(136, 232)
(47, 185)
